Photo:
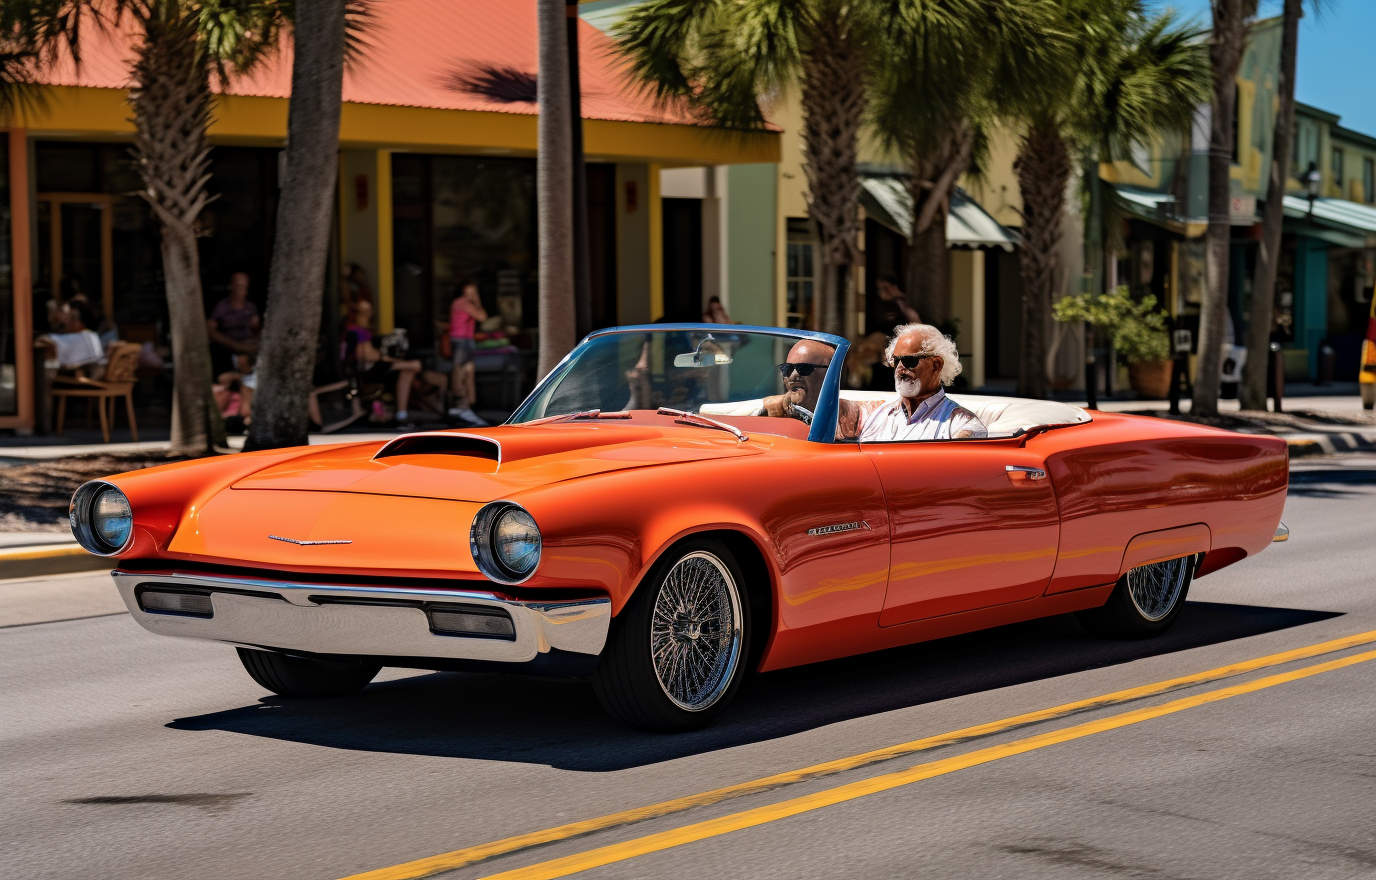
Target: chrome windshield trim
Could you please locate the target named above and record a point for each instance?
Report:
(828, 402)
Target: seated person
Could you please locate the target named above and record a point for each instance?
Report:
(923, 360)
(233, 326)
(372, 366)
(234, 398)
(803, 373)
(75, 346)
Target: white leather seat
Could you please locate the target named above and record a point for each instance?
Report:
(1002, 416)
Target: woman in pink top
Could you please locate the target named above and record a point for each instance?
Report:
(465, 312)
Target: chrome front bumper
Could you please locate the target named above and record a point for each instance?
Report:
(342, 619)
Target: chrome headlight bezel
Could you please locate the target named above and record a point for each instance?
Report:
(482, 541)
(81, 513)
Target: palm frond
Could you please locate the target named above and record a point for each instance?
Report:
(1150, 80)
(659, 39)
(718, 56)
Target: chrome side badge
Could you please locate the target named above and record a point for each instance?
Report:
(839, 527)
(305, 543)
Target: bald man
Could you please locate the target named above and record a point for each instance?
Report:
(923, 360)
(803, 371)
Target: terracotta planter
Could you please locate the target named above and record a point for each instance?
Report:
(1150, 379)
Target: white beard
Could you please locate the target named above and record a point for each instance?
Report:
(908, 387)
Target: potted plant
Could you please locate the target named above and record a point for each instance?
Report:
(1137, 331)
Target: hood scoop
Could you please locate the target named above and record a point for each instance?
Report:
(443, 443)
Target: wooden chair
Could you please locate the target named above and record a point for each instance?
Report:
(122, 360)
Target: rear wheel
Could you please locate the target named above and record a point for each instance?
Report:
(1145, 601)
(677, 651)
(298, 677)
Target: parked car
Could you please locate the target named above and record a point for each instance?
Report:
(659, 516)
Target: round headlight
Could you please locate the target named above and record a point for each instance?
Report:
(101, 518)
(505, 542)
(517, 541)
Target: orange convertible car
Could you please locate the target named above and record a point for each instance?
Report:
(674, 506)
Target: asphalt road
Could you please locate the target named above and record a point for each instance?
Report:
(127, 755)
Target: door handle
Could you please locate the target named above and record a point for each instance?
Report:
(1018, 473)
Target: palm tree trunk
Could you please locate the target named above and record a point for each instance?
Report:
(1262, 311)
(929, 273)
(1043, 167)
(554, 187)
(171, 104)
(1226, 45)
(833, 98)
(296, 284)
(934, 175)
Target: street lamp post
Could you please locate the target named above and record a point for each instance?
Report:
(1312, 179)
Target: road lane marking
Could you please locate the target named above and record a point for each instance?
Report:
(471, 855)
(619, 852)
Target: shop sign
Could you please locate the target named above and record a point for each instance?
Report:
(1242, 210)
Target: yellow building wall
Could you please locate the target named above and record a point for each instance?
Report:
(997, 191)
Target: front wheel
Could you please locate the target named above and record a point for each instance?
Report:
(299, 677)
(1145, 601)
(677, 651)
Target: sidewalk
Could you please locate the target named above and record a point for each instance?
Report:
(1311, 424)
(48, 449)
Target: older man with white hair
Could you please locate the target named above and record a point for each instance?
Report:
(923, 360)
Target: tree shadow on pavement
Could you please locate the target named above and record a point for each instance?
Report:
(558, 723)
(1327, 482)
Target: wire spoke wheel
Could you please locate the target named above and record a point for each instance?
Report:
(695, 631)
(1156, 588)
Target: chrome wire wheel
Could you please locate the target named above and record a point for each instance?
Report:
(695, 631)
(1156, 588)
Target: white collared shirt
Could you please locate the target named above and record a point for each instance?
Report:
(78, 349)
(936, 418)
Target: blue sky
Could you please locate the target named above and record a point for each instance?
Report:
(1337, 64)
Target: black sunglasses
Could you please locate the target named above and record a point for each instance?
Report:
(911, 361)
(803, 370)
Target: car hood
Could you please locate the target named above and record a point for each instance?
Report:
(490, 463)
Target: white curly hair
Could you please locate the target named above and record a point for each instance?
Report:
(933, 342)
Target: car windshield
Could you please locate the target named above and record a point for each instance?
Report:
(720, 371)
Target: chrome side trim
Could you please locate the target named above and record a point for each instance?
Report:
(307, 543)
(1282, 534)
(280, 614)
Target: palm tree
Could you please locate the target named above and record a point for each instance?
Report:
(304, 219)
(931, 105)
(181, 45)
(1120, 78)
(721, 55)
(1232, 19)
(554, 187)
(1261, 316)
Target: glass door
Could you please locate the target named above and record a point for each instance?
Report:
(75, 253)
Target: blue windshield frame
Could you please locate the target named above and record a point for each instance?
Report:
(823, 420)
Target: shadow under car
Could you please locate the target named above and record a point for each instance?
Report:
(558, 722)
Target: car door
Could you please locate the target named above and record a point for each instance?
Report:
(972, 524)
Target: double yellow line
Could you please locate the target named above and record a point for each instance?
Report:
(749, 818)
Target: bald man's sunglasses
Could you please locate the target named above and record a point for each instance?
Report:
(910, 361)
(803, 370)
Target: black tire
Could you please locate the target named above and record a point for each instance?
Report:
(1144, 603)
(627, 682)
(298, 677)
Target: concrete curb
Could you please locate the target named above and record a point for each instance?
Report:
(1329, 443)
(43, 560)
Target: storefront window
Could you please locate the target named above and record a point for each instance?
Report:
(9, 379)
(458, 218)
(800, 274)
